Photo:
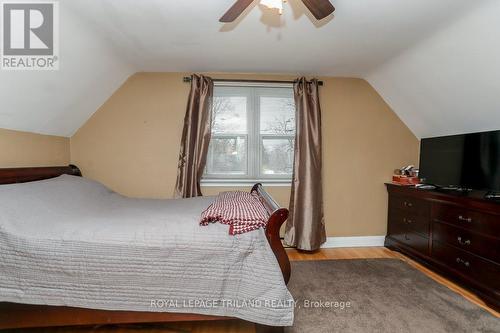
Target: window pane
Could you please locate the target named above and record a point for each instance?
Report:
(277, 115)
(229, 115)
(253, 132)
(228, 155)
(277, 156)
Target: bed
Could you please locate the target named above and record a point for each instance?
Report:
(75, 253)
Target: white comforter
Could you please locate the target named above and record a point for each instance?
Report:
(71, 241)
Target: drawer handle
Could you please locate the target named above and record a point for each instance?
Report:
(408, 204)
(463, 262)
(408, 221)
(462, 242)
(464, 219)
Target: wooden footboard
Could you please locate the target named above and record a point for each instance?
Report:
(25, 315)
(277, 217)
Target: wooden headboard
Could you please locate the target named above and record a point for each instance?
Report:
(24, 175)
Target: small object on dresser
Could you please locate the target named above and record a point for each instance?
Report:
(408, 170)
(426, 186)
(492, 195)
(405, 180)
(407, 176)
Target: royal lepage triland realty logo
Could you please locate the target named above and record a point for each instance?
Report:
(30, 35)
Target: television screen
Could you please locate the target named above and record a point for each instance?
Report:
(468, 160)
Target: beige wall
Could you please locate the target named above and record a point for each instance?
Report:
(21, 149)
(132, 143)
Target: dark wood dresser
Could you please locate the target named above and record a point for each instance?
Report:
(457, 235)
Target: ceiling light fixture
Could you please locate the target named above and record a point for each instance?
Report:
(273, 4)
(318, 8)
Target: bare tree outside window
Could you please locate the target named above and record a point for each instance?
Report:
(278, 135)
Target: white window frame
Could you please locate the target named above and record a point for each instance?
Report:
(254, 141)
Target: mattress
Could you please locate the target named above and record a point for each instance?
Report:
(70, 241)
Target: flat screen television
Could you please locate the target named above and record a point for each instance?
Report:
(465, 161)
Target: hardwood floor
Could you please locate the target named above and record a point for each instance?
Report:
(237, 326)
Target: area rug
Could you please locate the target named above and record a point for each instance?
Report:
(378, 295)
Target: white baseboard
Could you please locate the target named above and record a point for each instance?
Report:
(362, 241)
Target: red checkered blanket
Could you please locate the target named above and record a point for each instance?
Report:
(242, 211)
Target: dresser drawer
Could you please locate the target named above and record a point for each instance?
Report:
(413, 240)
(469, 219)
(412, 222)
(483, 271)
(483, 246)
(409, 205)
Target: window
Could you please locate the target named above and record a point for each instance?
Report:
(253, 135)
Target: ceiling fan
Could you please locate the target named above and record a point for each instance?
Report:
(319, 8)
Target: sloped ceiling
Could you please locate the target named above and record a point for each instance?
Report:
(448, 83)
(59, 102)
(410, 51)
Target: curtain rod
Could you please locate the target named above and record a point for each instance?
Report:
(188, 79)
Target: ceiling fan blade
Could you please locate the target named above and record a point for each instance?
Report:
(319, 8)
(235, 11)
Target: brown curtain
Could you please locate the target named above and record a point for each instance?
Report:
(195, 137)
(305, 228)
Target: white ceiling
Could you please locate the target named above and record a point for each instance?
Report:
(450, 82)
(59, 102)
(388, 42)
